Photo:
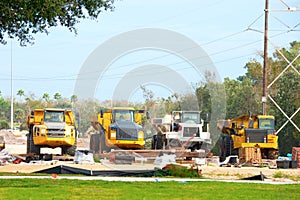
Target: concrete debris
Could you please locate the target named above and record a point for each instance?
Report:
(200, 161)
(43, 162)
(83, 156)
(230, 160)
(165, 159)
(6, 157)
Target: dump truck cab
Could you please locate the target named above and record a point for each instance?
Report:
(190, 125)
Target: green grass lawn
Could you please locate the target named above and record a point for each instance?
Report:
(81, 189)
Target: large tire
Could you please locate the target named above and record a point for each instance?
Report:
(102, 147)
(227, 147)
(95, 143)
(272, 154)
(66, 150)
(31, 147)
(153, 142)
(70, 150)
(157, 141)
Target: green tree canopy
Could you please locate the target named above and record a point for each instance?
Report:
(21, 93)
(22, 18)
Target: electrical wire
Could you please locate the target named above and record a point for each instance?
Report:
(74, 76)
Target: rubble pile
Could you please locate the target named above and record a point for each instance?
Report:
(13, 138)
(6, 157)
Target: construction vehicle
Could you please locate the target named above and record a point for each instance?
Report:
(250, 137)
(117, 128)
(2, 143)
(51, 127)
(181, 129)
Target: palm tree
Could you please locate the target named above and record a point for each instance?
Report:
(28, 100)
(57, 96)
(74, 98)
(46, 97)
(21, 94)
(19, 115)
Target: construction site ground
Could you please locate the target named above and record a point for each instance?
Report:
(15, 143)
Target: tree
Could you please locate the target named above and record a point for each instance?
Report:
(4, 108)
(287, 100)
(74, 99)
(286, 92)
(46, 98)
(148, 96)
(57, 96)
(20, 94)
(19, 115)
(22, 18)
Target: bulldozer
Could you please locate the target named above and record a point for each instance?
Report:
(117, 128)
(251, 137)
(51, 127)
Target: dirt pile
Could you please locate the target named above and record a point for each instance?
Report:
(14, 137)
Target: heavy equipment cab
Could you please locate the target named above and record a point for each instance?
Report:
(54, 116)
(266, 123)
(123, 115)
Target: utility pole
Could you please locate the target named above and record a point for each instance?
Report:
(265, 67)
(11, 90)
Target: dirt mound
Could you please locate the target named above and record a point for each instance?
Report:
(13, 137)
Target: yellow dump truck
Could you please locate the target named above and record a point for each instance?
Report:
(2, 143)
(117, 128)
(51, 127)
(251, 137)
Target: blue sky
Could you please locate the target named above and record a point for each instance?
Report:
(220, 27)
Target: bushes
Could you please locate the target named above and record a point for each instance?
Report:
(4, 124)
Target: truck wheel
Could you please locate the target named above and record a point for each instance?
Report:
(153, 142)
(273, 154)
(102, 146)
(95, 143)
(31, 147)
(66, 150)
(157, 141)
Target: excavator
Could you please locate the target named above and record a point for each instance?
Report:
(251, 137)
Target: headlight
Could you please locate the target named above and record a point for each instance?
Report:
(43, 130)
(113, 134)
(141, 134)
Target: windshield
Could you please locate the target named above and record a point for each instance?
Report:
(190, 118)
(266, 123)
(54, 116)
(123, 115)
